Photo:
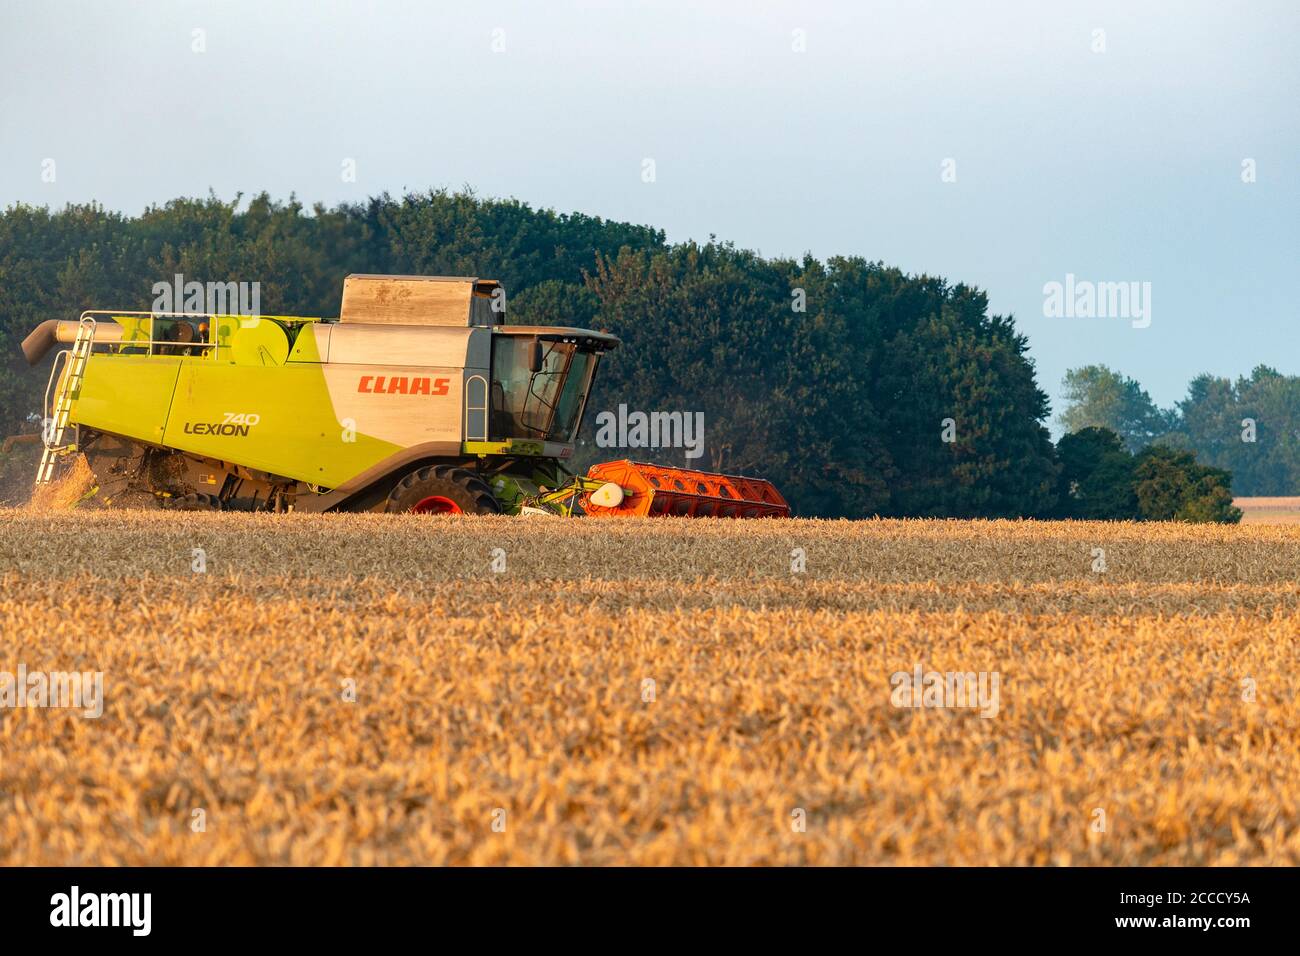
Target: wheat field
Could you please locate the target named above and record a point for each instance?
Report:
(365, 689)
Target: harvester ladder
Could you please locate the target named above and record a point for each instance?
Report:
(66, 392)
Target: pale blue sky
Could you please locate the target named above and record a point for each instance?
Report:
(1118, 165)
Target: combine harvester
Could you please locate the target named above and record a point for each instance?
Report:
(417, 399)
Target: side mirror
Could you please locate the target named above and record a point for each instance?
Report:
(535, 359)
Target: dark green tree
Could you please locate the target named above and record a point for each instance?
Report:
(710, 329)
(959, 413)
(1171, 486)
(1097, 477)
(1100, 480)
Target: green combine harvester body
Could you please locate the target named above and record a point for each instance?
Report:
(284, 412)
(418, 398)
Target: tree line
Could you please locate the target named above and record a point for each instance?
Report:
(1249, 427)
(856, 388)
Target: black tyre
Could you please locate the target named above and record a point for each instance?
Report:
(442, 490)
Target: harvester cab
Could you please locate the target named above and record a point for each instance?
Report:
(417, 398)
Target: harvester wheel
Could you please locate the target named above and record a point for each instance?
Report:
(442, 489)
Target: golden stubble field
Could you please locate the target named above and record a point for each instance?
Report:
(504, 717)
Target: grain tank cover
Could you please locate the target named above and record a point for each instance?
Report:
(460, 301)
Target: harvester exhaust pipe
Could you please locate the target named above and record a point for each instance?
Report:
(40, 340)
(43, 338)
